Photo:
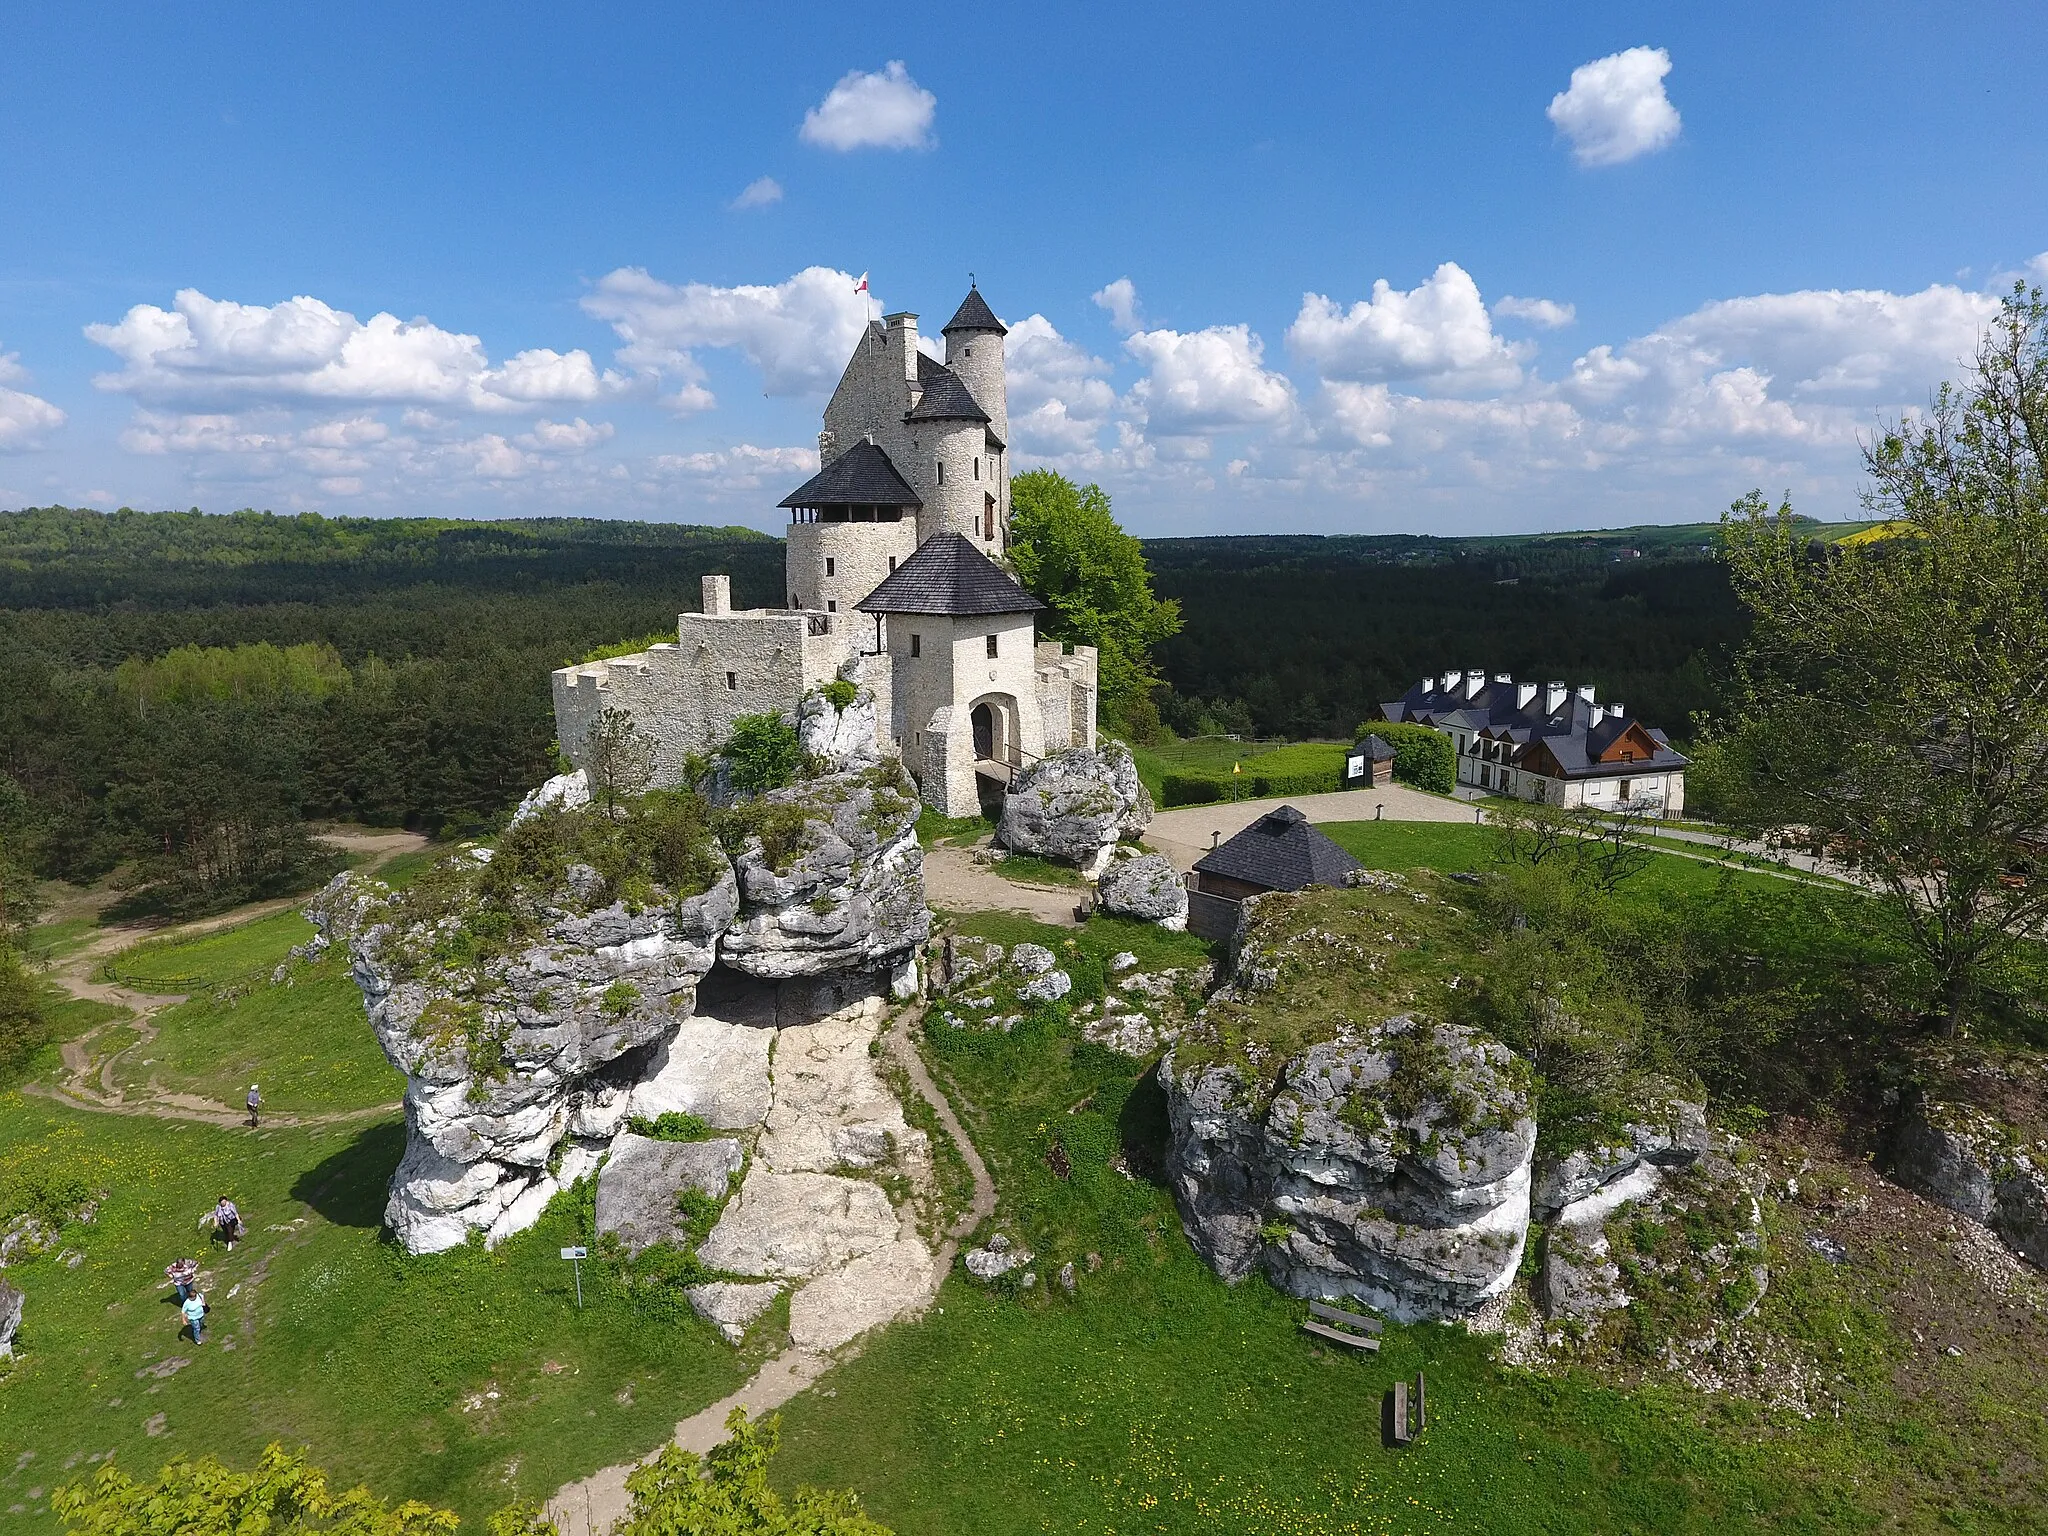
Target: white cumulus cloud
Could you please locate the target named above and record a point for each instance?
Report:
(799, 332)
(762, 192)
(883, 110)
(1059, 395)
(25, 419)
(1120, 298)
(1198, 382)
(1615, 108)
(205, 350)
(1438, 329)
(1547, 313)
(578, 436)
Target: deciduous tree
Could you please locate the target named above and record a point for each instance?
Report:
(1893, 696)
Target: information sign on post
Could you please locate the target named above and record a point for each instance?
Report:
(575, 1256)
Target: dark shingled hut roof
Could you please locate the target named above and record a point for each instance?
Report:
(948, 575)
(946, 397)
(860, 477)
(1374, 747)
(1281, 852)
(974, 315)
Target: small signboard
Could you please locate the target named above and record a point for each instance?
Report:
(575, 1253)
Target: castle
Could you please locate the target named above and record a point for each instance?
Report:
(896, 576)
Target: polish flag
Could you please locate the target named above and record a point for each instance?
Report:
(861, 286)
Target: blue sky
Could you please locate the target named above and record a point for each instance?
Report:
(1736, 239)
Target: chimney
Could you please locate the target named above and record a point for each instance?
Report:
(826, 442)
(1474, 681)
(1502, 677)
(717, 596)
(1617, 711)
(1585, 692)
(1554, 695)
(1599, 714)
(903, 340)
(1450, 681)
(1525, 695)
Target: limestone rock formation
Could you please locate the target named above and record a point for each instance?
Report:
(1672, 1135)
(503, 1045)
(1075, 806)
(1978, 1166)
(1391, 1165)
(643, 1180)
(565, 791)
(845, 738)
(732, 1306)
(11, 1303)
(1144, 886)
(832, 879)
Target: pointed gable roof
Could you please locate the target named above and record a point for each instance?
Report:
(974, 315)
(860, 477)
(948, 575)
(946, 398)
(1281, 852)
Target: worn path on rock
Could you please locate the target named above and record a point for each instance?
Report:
(591, 1506)
(955, 882)
(88, 1082)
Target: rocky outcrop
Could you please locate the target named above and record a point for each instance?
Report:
(732, 1306)
(640, 1188)
(844, 738)
(1671, 1134)
(1075, 806)
(503, 1048)
(565, 792)
(1144, 886)
(1390, 1164)
(1978, 1166)
(11, 1302)
(832, 879)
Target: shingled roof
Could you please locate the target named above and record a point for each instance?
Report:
(974, 315)
(860, 477)
(948, 575)
(1281, 852)
(946, 397)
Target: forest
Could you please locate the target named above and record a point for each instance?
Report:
(184, 691)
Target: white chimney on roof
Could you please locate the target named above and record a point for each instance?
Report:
(717, 596)
(1599, 713)
(1502, 677)
(1617, 710)
(1525, 695)
(1474, 681)
(1585, 691)
(1450, 682)
(1554, 695)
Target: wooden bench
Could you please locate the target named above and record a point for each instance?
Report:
(1350, 1328)
(1401, 1427)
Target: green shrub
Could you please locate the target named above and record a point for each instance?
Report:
(1422, 756)
(672, 1126)
(621, 998)
(764, 752)
(839, 693)
(1191, 789)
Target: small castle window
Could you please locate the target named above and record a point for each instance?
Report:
(917, 649)
(977, 468)
(831, 605)
(732, 681)
(892, 562)
(991, 645)
(942, 471)
(831, 566)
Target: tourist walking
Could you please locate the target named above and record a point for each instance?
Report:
(184, 1274)
(227, 1222)
(195, 1316)
(255, 1103)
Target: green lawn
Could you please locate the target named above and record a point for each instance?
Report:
(307, 1043)
(1216, 757)
(325, 1334)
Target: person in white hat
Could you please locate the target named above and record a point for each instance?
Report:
(255, 1103)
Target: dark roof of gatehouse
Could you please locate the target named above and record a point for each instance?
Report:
(946, 397)
(1374, 747)
(948, 575)
(974, 315)
(1281, 852)
(860, 477)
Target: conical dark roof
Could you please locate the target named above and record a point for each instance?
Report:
(974, 315)
(1281, 852)
(860, 477)
(946, 398)
(948, 575)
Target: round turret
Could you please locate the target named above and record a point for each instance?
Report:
(974, 350)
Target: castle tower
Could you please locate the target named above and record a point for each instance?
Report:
(960, 477)
(974, 353)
